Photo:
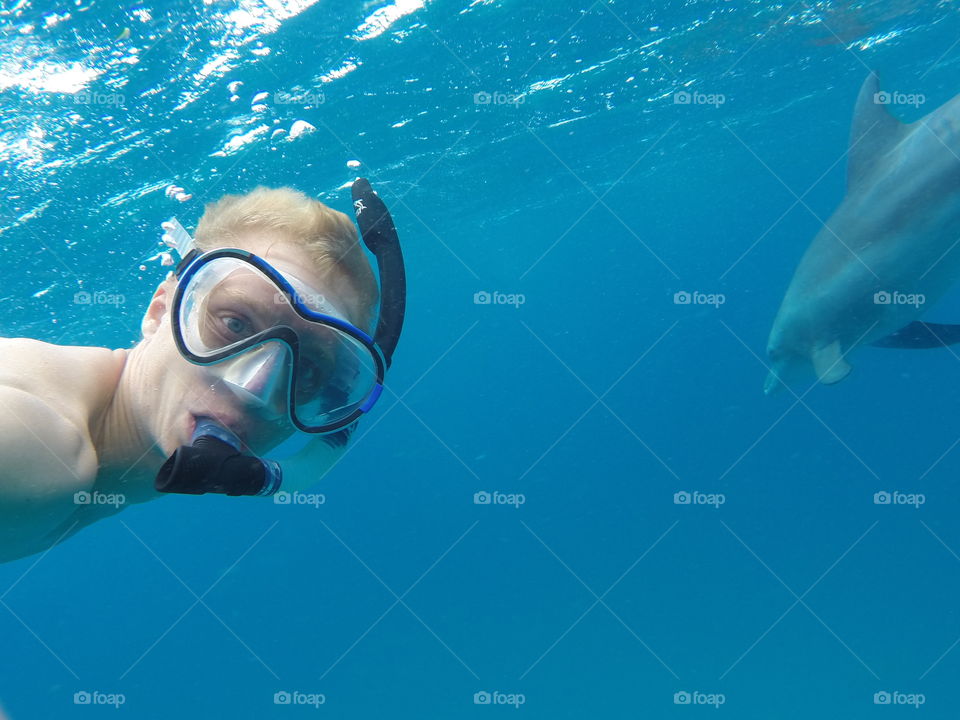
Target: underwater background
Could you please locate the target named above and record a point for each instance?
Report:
(509, 531)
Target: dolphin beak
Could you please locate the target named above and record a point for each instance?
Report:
(772, 384)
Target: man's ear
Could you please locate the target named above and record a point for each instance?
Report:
(157, 309)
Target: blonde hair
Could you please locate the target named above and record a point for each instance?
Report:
(328, 236)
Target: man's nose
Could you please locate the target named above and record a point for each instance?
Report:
(258, 376)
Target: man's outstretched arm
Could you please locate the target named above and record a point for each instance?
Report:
(44, 460)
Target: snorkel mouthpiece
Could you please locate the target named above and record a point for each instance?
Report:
(213, 463)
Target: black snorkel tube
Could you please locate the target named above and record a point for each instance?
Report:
(380, 237)
(214, 461)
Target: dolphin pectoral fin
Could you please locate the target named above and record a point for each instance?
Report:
(921, 336)
(829, 365)
(874, 133)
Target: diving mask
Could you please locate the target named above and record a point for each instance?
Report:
(278, 344)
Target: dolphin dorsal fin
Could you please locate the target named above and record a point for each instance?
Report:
(922, 335)
(874, 133)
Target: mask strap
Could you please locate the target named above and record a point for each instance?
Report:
(176, 236)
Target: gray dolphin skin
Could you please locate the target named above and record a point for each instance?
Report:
(888, 252)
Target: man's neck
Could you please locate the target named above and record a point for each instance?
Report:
(128, 457)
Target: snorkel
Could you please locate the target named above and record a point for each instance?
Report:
(380, 237)
(214, 461)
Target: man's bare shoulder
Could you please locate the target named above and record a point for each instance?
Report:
(75, 380)
(26, 357)
(49, 394)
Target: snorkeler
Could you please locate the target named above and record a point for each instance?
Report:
(259, 356)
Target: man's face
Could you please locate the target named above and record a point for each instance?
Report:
(174, 392)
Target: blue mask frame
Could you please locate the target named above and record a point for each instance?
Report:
(194, 262)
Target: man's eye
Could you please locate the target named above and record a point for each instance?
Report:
(236, 326)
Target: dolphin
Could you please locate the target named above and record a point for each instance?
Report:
(889, 251)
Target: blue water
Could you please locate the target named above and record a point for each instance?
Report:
(584, 186)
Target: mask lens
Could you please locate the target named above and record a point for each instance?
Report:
(227, 302)
(231, 312)
(333, 390)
